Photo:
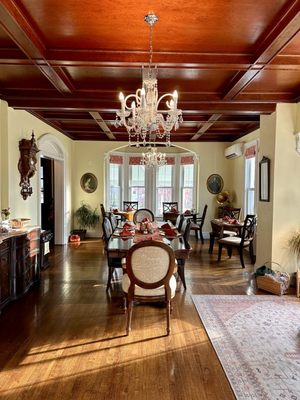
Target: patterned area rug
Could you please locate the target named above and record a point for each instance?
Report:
(257, 340)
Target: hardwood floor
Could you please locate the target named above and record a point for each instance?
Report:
(66, 338)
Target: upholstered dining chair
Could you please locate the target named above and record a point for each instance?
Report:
(143, 213)
(113, 220)
(112, 262)
(198, 225)
(179, 222)
(217, 232)
(185, 230)
(134, 205)
(150, 267)
(245, 241)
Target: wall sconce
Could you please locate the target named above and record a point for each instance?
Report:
(27, 164)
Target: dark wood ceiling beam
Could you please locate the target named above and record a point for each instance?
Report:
(127, 59)
(16, 25)
(206, 126)
(277, 37)
(94, 104)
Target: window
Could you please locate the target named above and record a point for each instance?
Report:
(250, 180)
(137, 184)
(127, 179)
(115, 186)
(164, 187)
(187, 186)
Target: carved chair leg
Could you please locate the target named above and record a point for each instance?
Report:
(220, 251)
(125, 302)
(242, 257)
(229, 251)
(252, 255)
(211, 243)
(181, 265)
(129, 317)
(168, 317)
(110, 272)
(201, 236)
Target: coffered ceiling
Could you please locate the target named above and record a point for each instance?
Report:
(65, 61)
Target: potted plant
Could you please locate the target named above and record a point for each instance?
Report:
(86, 217)
(294, 248)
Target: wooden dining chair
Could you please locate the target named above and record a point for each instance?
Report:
(245, 241)
(217, 232)
(112, 262)
(143, 213)
(150, 267)
(231, 212)
(170, 211)
(197, 225)
(133, 205)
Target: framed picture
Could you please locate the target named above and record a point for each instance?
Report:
(214, 183)
(264, 179)
(88, 182)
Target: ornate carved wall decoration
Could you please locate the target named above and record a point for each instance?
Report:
(27, 164)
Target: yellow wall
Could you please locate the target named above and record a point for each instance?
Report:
(19, 125)
(89, 157)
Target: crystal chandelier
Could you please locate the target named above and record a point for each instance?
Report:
(142, 116)
(152, 158)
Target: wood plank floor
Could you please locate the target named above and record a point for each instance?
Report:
(66, 338)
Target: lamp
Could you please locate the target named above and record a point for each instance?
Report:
(142, 116)
(152, 158)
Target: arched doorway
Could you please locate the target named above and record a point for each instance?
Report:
(52, 159)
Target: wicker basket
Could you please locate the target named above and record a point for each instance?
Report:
(270, 285)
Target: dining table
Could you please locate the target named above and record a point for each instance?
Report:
(118, 245)
(229, 225)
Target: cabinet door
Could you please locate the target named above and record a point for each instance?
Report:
(5, 273)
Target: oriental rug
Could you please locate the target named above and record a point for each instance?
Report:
(257, 340)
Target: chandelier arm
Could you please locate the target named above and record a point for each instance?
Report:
(137, 99)
(162, 97)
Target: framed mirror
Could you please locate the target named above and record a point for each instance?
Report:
(214, 183)
(264, 179)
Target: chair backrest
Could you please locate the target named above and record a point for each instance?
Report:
(185, 230)
(216, 229)
(203, 216)
(113, 221)
(232, 212)
(103, 212)
(179, 222)
(150, 264)
(143, 213)
(249, 227)
(134, 205)
(169, 206)
(107, 229)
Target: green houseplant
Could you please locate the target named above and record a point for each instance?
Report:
(86, 217)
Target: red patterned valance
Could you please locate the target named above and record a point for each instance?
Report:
(135, 160)
(250, 151)
(113, 159)
(185, 160)
(170, 160)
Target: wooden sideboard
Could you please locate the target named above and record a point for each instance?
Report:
(19, 263)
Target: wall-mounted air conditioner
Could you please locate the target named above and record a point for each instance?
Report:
(234, 151)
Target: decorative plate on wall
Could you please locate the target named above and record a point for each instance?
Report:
(214, 183)
(88, 182)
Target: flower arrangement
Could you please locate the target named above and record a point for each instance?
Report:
(5, 212)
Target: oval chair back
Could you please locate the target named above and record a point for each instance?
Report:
(143, 213)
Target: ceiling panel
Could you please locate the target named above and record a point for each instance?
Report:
(231, 61)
